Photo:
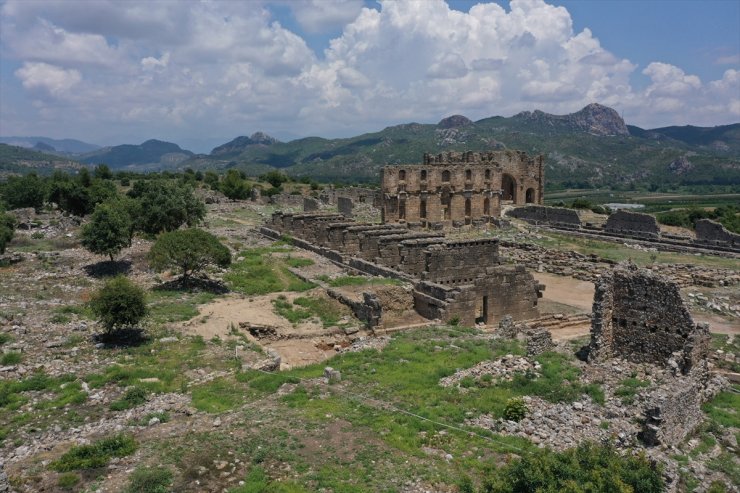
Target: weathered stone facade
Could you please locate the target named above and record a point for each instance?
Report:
(639, 315)
(345, 206)
(458, 188)
(452, 279)
(633, 224)
(551, 216)
(310, 204)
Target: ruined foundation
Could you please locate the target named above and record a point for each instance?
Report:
(461, 280)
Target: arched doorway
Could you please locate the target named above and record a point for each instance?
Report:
(508, 185)
(486, 206)
(530, 196)
(468, 210)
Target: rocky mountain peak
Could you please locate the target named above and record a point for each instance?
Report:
(454, 121)
(599, 120)
(262, 138)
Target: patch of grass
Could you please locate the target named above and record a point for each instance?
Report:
(265, 382)
(298, 261)
(60, 319)
(629, 388)
(722, 342)
(11, 358)
(68, 481)
(260, 272)
(725, 462)
(361, 281)
(5, 338)
(175, 306)
(96, 455)
(329, 311)
(134, 396)
(82, 311)
(723, 409)
(149, 480)
(257, 481)
(162, 416)
(219, 395)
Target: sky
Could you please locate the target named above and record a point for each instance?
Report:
(199, 73)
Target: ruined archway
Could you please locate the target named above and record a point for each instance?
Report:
(530, 196)
(508, 185)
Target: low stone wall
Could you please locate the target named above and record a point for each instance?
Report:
(555, 216)
(345, 206)
(310, 204)
(673, 412)
(633, 224)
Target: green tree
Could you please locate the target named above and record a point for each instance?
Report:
(103, 172)
(275, 178)
(24, 191)
(119, 304)
(7, 230)
(189, 251)
(108, 231)
(234, 186)
(166, 205)
(211, 179)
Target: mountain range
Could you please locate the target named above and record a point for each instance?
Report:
(591, 147)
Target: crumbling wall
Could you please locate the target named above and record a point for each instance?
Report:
(555, 216)
(672, 412)
(310, 204)
(639, 315)
(345, 206)
(713, 233)
(633, 224)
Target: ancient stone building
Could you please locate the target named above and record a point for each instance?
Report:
(640, 316)
(458, 188)
(462, 280)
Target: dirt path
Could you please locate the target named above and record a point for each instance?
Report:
(567, 291)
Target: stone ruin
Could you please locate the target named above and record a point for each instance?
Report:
(537, 339)
(462, 280)
(634, 224)
(639, 316)
(345, 206)
(712, 233)
(310, 204)
(459, 188)
(552, 216)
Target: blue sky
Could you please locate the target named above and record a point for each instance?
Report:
(199, 74)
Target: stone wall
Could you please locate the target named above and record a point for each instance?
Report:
(459, 188)
(639, 315)
(714, 234)
(672, 412)
(633, 224)
(345, 206)
(554, 216)
(359, 195)
(310, 204)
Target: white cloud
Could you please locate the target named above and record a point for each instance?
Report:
(48, 78)
(229, 68)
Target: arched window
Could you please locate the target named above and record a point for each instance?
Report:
(402, 209)
(423, 209)
(402, 175)
(446, 175)
(508, 185)
(488, 174)
(487, 207)
(467, 208)
(423, 175)
(468, 174)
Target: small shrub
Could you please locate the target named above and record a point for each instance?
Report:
(68, 480)
(119, 304)
(149, 480)
(12, 358)
(5, 338)
(133, 397)
(515, 409)
(95, 455)
(454, 321)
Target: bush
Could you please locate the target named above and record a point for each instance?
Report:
(274, 178)
(119, 304)
(515, 409)
(234, 186)
(24, 191)
(108, 231)
(133, 397)
(165, 206)
(95, 455)
(149, 480)
(586, 468)
(68, 480)
(189, 250)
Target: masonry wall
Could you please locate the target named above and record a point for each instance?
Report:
(640, 316)
(345, 206)
(556, 216)
(673, 412)
(458, 188)
(713, 233)
(633, 224)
